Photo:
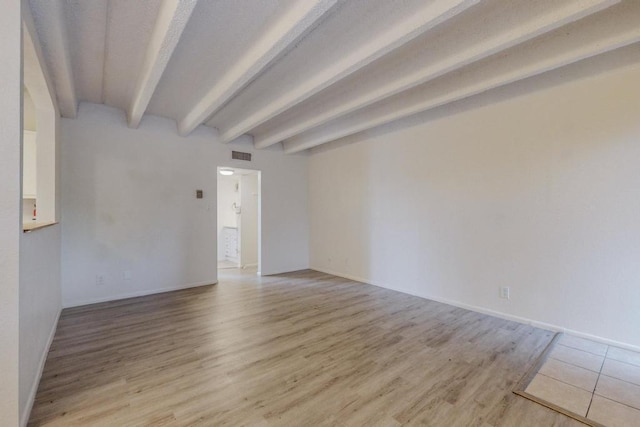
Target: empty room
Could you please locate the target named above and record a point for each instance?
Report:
(320, 213)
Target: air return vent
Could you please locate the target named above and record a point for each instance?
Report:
(239, 155)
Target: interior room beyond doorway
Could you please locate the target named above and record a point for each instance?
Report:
(238, 218)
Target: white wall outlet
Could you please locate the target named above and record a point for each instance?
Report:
(504, 292)
(99, 280)
(126, 275)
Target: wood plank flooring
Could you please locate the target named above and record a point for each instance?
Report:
(301, 349)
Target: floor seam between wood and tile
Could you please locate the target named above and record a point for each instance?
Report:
(552, 384)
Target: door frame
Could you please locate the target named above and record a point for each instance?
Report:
(259, 174)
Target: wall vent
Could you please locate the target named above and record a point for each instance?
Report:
(239, 155)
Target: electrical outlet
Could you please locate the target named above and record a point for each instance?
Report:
(504, 292)
(126, 275)
(99, 280)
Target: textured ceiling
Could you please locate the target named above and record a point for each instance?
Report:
(307, 72)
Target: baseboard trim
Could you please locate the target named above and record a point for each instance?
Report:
(490, 312)
(26, 411)
(275, 273)
(350, 277)
(137, 294)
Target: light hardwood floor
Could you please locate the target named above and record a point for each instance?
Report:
(301, 349)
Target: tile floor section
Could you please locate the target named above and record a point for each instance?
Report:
(594, 380)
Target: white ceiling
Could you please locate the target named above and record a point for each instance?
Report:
(308, 72)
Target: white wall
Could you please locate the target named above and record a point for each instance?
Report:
(249, 193)
(39, 307)
(29, 165)
(29, 117)
(40, 294)
(42, 105)
(228, 194)
(47, 162)
(10, 206)
(540, 193)
(129, 205)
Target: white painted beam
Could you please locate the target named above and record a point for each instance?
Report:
(431, 15)
(171, 22)
(483, 48)
(391, 112)
(285, 32)
(51, 16)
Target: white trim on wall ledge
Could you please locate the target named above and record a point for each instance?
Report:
(137, 294)
(494, 313)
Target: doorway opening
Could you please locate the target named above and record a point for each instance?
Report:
(238, 210)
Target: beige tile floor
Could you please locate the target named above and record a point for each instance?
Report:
(593, 380)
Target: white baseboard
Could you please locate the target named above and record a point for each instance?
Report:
(249, 266)
(69, 304)
(275, 273)
(602, 340)
(347, 276)
(26, 411)
(499, 314)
